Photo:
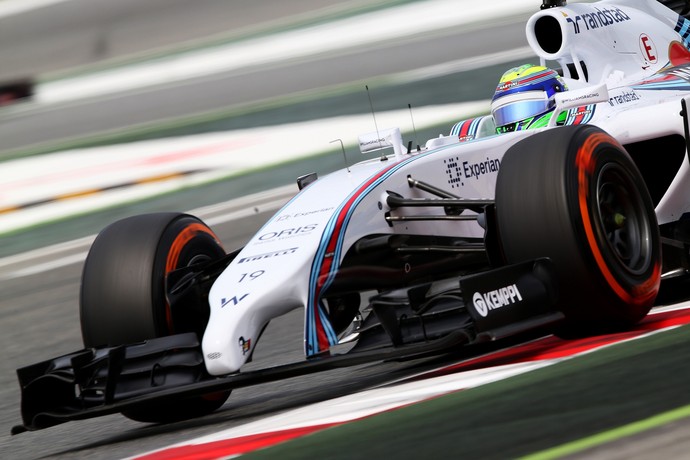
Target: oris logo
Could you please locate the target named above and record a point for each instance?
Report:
(493, 300)
(288, 233)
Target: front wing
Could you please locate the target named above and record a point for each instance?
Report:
(502, 303)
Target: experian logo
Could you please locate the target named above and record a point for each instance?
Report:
(493, 300)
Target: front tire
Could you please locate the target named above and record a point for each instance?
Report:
(574, 195)
(123, 301)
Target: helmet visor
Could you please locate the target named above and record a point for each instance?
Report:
(520, 106)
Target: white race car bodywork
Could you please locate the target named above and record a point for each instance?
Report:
(301, 247)
(625, 48)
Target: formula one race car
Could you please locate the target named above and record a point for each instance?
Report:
(547, 215)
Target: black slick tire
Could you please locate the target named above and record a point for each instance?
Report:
(123, 301)
(573, 194)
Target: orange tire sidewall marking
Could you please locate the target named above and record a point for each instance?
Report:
(181, 240)
(585, 161)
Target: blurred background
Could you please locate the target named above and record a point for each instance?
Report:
(104, 103)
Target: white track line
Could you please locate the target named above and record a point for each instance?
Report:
(71, 173)
(30, 263)
(12, 7)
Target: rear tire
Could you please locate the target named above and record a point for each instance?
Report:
(574, 195)
(123, 297)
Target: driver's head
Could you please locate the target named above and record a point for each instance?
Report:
(523, 95)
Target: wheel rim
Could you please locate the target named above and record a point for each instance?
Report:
(622, 218)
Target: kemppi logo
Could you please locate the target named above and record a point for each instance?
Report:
(493, 300)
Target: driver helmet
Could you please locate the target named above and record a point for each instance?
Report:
(524, 98)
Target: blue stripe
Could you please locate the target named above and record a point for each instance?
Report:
(475, 125)
(572, 115)
(590, 115)
(311, 333)
(685, 30)
(455, 130)
(472, 130)
(341, 237)
(330, 333)
(677, 85)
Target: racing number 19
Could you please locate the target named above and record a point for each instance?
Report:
(251, 276)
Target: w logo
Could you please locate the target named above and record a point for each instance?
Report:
(233, 300)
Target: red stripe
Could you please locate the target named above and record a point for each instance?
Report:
(321, 335)
(578, 118)
(236, 446)
(664, 79)
(553, 348)
(465, 128)
(536, 77)
(529, 79)
(328, 261)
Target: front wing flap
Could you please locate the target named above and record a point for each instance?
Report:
(90, 383)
